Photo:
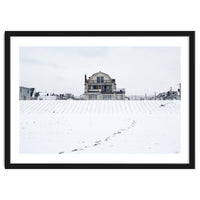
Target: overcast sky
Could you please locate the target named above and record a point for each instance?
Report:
(139, 70)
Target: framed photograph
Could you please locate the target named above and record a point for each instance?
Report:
(100, 99)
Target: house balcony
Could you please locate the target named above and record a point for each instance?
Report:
(100, 83)
(106, 92)
(100, 91)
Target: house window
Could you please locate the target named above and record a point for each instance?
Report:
(92, 97)
(93, 87)
(100, 79)
(106, 88)
(27, 91)
(119, 97)
(106, 97)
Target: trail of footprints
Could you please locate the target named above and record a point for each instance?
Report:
(99, 142)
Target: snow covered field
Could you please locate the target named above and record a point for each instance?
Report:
(135, 127)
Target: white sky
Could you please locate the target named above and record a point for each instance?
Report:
(139, 70)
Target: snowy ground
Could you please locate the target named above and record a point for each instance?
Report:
(56, 127)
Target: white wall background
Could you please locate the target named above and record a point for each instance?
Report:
(99, 15)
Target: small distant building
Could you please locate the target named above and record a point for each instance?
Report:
(47, 96)
(170, 95)
(68, 96)
(136, 97)
(100, 86)
(26, 93)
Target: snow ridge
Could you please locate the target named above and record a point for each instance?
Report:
(99, 107)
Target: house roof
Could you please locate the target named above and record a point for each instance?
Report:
(95, 74)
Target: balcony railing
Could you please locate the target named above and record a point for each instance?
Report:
(98, 82)
(106, 92)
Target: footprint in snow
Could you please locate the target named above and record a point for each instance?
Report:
(97, 143)
(108, 138)
(118, 132)
(81, 149)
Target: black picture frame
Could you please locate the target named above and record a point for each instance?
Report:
(191, 37)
